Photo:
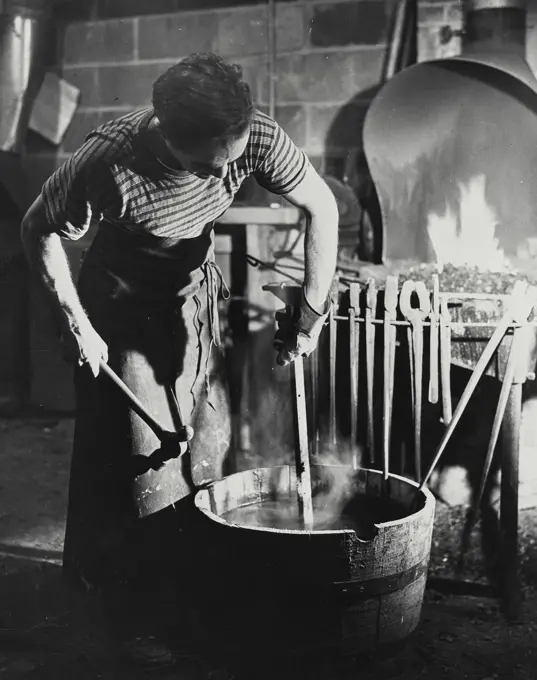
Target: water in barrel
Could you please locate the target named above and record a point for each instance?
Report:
(358, 514)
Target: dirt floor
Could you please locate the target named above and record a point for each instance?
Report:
(48, 633)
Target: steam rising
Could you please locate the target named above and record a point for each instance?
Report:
(335, 503)
(336, 489)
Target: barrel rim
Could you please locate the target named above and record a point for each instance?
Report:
(427, 508)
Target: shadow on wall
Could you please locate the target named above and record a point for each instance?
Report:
(344, 159)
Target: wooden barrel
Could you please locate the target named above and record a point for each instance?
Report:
(298, 591)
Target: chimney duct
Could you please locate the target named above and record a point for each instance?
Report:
(495, 25)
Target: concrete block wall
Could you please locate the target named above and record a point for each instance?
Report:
(434, 16)
(328, 52)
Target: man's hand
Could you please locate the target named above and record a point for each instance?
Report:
(298, 331)
(47, 259)
(83, 345)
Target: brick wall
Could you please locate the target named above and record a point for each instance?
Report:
(328, 53)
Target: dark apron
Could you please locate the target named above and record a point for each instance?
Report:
(154, 302)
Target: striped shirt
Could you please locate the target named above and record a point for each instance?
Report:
(115, 176)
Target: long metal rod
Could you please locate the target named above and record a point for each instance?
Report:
(391, 294)
(445, 362)
(509, 503)
(371, 307)
(332, 378)
(302, 460)
(417, 345)
(434, 342)
(314, 373)
(505, 393)
(354, 362)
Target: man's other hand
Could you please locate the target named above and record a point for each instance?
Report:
(298, 331)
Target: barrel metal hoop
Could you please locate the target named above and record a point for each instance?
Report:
(384, 584)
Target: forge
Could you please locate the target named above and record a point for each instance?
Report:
(447, 144)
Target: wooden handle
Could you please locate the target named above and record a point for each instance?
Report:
(184, 433)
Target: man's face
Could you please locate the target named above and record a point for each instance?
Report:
(212, 158)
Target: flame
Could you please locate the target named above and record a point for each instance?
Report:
(468, 238)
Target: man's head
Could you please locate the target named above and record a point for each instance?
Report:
(204, 111)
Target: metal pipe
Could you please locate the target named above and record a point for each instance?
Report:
(271, 9)
(401, 42)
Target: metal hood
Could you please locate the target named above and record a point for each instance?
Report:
(494, 35)
(450, 137)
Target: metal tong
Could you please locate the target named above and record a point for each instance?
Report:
(416, 316)
(289, 295)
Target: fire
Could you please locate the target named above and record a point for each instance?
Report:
(467, 237)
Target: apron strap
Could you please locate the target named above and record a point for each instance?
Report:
(216, 287)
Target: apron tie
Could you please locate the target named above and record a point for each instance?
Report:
(216, 287)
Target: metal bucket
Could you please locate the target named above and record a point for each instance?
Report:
(301, 591)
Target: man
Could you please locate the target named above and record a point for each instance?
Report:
(146, 303)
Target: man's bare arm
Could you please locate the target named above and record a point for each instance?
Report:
(48, 261)
(315, 199)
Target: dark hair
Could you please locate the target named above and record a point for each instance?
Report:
(202, 98)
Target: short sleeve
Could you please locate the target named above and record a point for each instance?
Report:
(278, 164)
(82, 189)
